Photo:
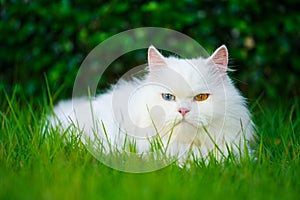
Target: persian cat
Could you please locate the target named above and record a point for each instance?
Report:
(190, 105)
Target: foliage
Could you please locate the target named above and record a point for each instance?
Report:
(52, 38)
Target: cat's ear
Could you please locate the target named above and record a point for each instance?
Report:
(155, 58)
(220, 58)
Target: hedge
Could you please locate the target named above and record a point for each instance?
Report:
(51, 38)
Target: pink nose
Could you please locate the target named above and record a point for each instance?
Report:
(183, 111)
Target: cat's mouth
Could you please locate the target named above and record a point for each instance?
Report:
(181, 122)
(184, 121)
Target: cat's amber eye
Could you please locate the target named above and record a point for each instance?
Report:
(168, 97)
(201, 97)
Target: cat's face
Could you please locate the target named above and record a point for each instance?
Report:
(186, 92)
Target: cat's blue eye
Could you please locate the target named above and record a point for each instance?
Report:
(168, 97)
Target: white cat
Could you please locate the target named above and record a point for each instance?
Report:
(188, 104)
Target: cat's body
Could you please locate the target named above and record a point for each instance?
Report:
(191, 104)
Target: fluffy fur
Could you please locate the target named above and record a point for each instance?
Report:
(138, 109)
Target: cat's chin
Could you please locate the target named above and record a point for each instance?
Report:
(184, 132)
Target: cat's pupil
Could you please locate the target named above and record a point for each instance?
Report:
(168, 96)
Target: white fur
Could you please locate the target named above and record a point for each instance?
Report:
(132, 107)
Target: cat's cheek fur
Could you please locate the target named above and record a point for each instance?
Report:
(149, 109)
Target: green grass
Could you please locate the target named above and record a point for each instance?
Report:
(35, 167)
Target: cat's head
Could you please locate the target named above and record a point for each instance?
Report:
(187, 91)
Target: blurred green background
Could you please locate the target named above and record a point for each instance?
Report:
(51, 38)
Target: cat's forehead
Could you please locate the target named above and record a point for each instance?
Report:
(195, 71)
(183, 77)
(188, 67)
